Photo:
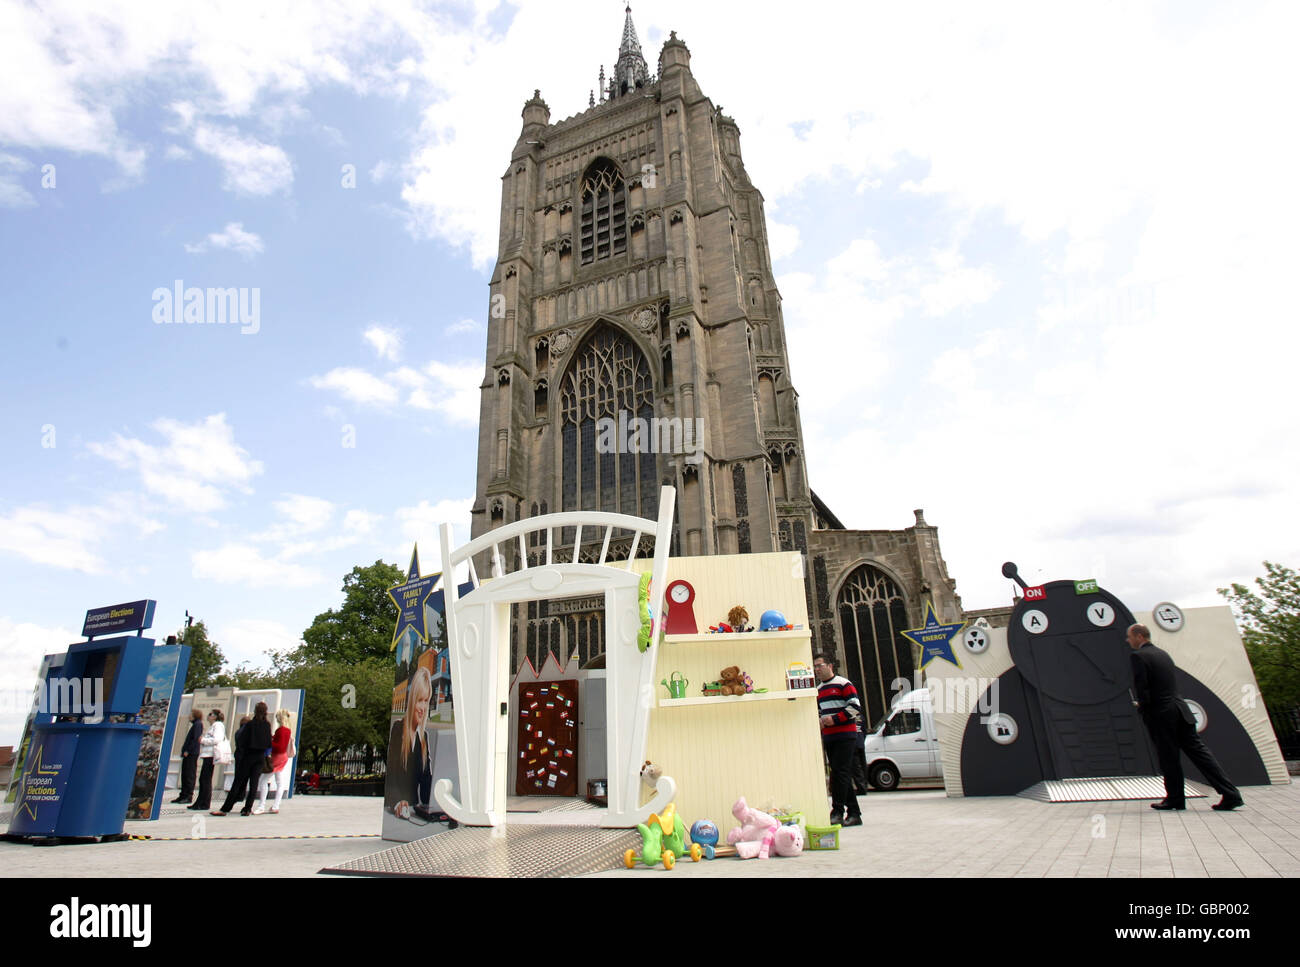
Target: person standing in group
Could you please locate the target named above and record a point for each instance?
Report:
(1172, 726)
(209, 752)
(256, 736)
(282, 753)
(190, 757)
(841, 711)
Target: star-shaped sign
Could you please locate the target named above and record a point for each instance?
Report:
(410, 598)
(935, 639)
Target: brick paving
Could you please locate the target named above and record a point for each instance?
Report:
(905, 833)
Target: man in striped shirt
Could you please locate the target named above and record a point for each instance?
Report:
(840, 711)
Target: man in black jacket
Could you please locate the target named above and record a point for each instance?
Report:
(1171, 724)
(190, 757)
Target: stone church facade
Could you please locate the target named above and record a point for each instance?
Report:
(633, 292)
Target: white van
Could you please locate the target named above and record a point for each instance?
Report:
(903, 747)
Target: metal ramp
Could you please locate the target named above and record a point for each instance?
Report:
(541, 839)
(1104, 789)
(513, 851)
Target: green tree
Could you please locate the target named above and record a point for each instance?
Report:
(345, 706)
(247, 678)
(361, 629)
(206, 658)
(1270, 622)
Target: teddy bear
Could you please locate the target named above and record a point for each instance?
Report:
(733, 681)
(759, 834)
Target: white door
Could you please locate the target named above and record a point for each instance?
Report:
(905, 742)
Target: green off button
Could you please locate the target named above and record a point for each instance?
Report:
(1086, 587)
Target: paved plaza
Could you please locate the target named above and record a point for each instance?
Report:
(905, 833)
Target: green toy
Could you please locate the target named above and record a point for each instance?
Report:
(664, 838)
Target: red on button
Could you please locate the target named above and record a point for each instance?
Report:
(1036, 594)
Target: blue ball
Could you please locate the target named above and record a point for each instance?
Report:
(704, 832)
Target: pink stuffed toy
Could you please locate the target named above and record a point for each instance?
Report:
(758, 834)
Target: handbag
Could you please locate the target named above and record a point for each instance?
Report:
(266, 764)
(224, 755)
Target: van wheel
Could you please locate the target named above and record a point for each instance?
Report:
(885, 777)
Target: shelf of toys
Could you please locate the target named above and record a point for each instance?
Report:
(763, 743)
(738, 636)
(787, 694)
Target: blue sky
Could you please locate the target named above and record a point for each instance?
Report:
(1035, 265)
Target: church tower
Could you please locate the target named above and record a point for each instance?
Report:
(635, 338)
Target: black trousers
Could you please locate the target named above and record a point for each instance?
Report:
(840, 752)
(1173, 736)
(189, 767)
(247, 771)
(204, 801)
(860, 781)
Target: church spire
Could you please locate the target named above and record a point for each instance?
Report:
(630, 72)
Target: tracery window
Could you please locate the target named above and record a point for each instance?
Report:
(604, 212)
(607, 375)
(872, 616)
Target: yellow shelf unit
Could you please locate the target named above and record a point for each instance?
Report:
(765, 747)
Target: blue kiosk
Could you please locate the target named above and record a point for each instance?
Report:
(82, 760)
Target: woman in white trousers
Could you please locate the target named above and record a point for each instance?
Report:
(282, 753)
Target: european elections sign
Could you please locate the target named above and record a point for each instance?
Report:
(40, 798)
(132, 616)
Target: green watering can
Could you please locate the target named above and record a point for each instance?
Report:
(675, 684)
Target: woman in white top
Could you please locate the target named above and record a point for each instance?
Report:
(209, 751)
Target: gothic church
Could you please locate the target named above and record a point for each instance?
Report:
(634, 281)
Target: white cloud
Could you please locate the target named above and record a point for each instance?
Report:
(782, 240)
(235, 563)
(451, 389)
(22, 646)
(456, 390)
(422, 523)
(13, 194)
(232, 238)
(386, 342)
(361, 522)
(464, 326)
(192, 468)
(249, 640)
(69, 538)
(251, 167)
(306, 514)
(357, 385)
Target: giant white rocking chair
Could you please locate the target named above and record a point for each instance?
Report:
(478, 629)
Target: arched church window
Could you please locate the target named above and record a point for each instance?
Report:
(604, 212)
(607, 376)
(872, 615)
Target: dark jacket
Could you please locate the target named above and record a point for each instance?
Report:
(412, 783)
(258, 737)
(1155, 684)
(241, 740)
(191, 746)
